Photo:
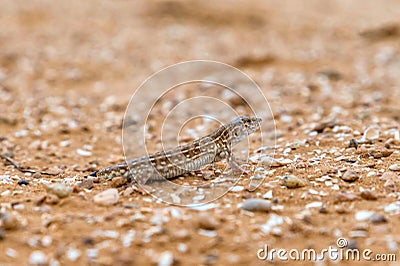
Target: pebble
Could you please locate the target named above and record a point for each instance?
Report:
(350, 176)
(393, 207)
(73, 254)
(181, 234)
(394, 167)
(273, 221)
(377, 218)
(107, 197)
(12, 253)
(166, 259)
(363, 215)
(358, 234)
(37, 257)
(83, 152)
(9, 221)
(86, 183)
(369, 195)
(128, 191)
(316, 204)
(208, 222)
(5, 193)
(118, 181)
(58, 189)
(254, 205)
(203, 207)
(346, 196)
(292, 181)
(268, 195)
(236, 188)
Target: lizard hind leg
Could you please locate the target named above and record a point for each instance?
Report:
(235, 167)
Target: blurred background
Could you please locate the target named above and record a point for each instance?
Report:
(69, 68)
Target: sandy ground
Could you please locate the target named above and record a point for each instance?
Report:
(329, 69)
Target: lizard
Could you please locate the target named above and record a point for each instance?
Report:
(193, 156)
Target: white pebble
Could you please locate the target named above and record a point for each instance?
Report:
(236, 188)
(12, 253)
(5, 193)
(268, 195)
(182, 247)
(203, 207)
(46, 241)
(73, 254)
(363, 215)
(394, 167)
(316, 204)
(83, 152)
(273, 221)
(107, 197)
(37, 257)
(166, 259)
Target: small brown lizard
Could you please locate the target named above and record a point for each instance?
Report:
(186, 158)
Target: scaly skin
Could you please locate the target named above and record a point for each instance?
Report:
(190, 157)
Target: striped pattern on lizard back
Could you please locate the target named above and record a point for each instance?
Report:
(186, 158)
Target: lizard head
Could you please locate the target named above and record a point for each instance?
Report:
(242, 126)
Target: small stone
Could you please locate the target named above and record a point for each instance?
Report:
(269, 162)
(268, 195)
(340, 209)
(236, 188)
(54, 171)
(37, 175)
(73, 254)
(38, 258)
(5, 193)
(107, 197)
(23, 182)
(253, 205)
(350, 176)
(166, 259)
(208, 222)
(363, 226)
(292, 181)
(181, 234)
(128, 191)
(346, 196)
(357, 234)
(377, 218)
(59, 189)
(315, 204)
(83, 152)
(9, 221)
(52, 199)
(118, 181)
(363, 215)
(86, 183)
(394, 167)
(369, 195)
(323, 210)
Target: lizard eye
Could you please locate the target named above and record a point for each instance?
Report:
(236, 133)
